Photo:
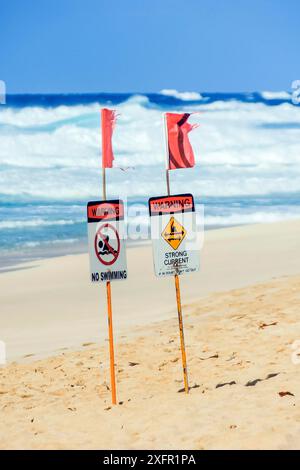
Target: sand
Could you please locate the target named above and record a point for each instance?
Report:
(51, 304)
(237, 365)
(243, 370)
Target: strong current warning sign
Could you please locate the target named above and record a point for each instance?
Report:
(106, 240)
(174, 234)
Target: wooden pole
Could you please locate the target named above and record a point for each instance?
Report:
(104, 183)
(167, 155)
(108, 295)
(182, 344)
(176, 277)
(168, 182)
(111, 345)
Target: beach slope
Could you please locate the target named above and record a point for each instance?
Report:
(51, 304)
(244, 378)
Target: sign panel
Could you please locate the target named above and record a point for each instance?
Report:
(106, 240)
(174, 235)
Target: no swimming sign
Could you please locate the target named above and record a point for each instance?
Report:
(174, 235)
(106, 240)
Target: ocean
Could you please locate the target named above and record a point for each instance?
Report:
(247, 149)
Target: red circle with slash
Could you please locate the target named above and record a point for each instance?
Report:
(103, 246)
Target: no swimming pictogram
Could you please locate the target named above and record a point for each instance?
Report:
(107, 244)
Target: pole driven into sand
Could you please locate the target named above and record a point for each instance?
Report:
(182, 344)
(109, 305)
(111, 345)
(176, 277)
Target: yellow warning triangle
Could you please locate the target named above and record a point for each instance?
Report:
(174, 233)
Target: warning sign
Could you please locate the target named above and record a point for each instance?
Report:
(106, 240)
(174, 234)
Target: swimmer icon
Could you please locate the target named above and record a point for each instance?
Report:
(107, 244)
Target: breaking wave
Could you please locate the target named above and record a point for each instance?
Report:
(247, 152)
(182, 95)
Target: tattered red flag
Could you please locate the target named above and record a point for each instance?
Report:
(180, 151)
(108, 120)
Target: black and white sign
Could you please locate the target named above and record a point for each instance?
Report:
(106, 240)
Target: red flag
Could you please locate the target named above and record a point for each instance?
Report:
(181, 154)
(108, 120)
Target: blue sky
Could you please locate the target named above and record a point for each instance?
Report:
(147, 45)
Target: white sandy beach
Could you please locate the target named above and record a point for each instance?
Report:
(51, 304)
(241, 317)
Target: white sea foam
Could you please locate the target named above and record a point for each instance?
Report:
(182, 95)
(240, 148)
(52, 242)
(250, 218)
(275, 95)
(12, 224)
